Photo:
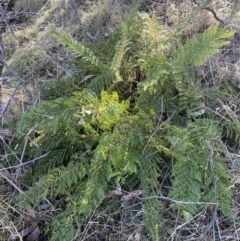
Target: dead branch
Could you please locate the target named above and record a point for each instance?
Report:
(21, 82)
(212, 11)
(10, 181)
(9, 100)
(25, 163)
(18, 172)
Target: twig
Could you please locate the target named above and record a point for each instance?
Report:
(5, 10)
(44, 6)
(9, 148)
(180, 226)
(2, 52)
(212, 11)
(228, 110)
(18, 234)
(216, 113)
(10, 98)
(10, 181)
(167, 173)
(178, 202)
(6, 20)
(214, 220)
(15, 180)
(157, 128)
(9, 27)
(20, 80)
(88, 225)
(25, 163)
(210, 160)
(23, 152)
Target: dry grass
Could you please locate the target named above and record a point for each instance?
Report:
(36, 57)
(29, 5)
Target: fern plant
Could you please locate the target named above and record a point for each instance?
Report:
(125, 126)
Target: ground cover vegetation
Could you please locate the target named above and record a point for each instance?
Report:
(124, 124)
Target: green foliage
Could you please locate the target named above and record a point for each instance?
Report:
(202, 46)
(206, 179)
(121, 47)
(150, 176)
(80, 49)
(60, 87)
(137, 116)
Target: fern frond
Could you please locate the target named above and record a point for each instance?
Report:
(100, 173)
(154, 40)
(198, 49)
(60, 87)
(231, 131)
(121, 48)
(79, 49)
(151, 173)
(194, 174)
(64, 226)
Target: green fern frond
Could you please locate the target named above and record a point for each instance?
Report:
(194, 53)
(151, 174)
(79, 49)
(197, 50)
(100, 173)
(64, 226)
(41, 189)
(72, 176)
(200, 172)
(61, 87)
